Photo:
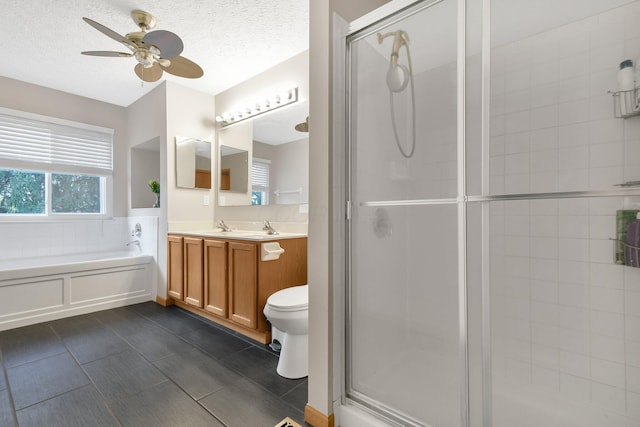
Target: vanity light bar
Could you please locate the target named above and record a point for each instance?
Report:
(278, 100)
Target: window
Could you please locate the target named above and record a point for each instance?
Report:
(51, 167)
(260, 181)
(21, 192)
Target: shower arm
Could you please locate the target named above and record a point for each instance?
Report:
(400, 38)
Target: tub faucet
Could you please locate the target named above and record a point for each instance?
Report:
(134, 242)
(268, 228)
(223, 226)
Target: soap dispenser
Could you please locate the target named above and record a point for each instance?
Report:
(626, 86)
(632, 247)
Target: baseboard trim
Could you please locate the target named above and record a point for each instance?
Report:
(164, 301)
(317, 418)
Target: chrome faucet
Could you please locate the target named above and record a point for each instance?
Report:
(268, 228)
(223, 226)
(136, 243)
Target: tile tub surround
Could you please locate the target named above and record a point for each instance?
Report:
(141, 365)
(75, 236)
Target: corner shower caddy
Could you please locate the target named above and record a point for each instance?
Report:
(624, 253)
(626, 103)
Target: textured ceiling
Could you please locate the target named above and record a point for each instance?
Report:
(231, 40)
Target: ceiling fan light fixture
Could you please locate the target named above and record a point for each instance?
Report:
(144, 57)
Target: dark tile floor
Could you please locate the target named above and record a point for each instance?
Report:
(141, 365)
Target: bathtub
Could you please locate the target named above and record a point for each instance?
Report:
(35, 289)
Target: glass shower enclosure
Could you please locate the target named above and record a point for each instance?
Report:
(485, 167)
(406, 323)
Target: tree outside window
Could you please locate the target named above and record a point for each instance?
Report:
(22, 192)
(75, 193)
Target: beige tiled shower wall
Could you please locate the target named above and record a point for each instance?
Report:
(565, 317)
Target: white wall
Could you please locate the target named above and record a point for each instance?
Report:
(189, 114)
(147, 122)
(168, 111)
(290, 73)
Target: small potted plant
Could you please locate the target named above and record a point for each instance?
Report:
(155, 188)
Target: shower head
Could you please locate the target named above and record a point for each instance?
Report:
(398, 75)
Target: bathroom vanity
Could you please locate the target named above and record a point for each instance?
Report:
(228, 276)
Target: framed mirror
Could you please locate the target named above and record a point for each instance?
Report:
(193, 163)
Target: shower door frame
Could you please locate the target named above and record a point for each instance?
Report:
(358, 30)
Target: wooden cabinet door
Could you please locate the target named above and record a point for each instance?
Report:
(243, 284)
(215, 277)
(174, 267)
(193, 272)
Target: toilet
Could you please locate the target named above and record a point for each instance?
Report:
(288, 312)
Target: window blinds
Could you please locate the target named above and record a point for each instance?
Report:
(260, 174)
(30, 141)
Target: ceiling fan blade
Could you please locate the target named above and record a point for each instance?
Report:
(110, 33)
(151, 74)
(105, 53)
(182, 67)
(170, 45)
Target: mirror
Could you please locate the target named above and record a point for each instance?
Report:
(234, 164)
(145, 166)
(280, 158)
(193, 163)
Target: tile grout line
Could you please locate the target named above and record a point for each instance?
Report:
(197, 402)
(93, 384)
(206, 324)
(129, 346)
(12, 405)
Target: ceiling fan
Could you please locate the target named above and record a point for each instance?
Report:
(155, 51)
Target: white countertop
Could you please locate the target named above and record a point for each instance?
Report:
(256, 236)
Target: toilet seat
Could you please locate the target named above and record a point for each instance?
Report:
(290, 299)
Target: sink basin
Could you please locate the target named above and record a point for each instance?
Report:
(244, 234)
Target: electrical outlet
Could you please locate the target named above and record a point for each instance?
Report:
(205, 201)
